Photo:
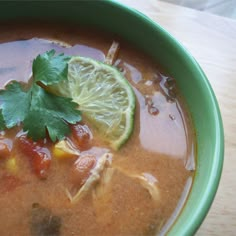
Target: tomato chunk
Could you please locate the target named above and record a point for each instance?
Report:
(41, 164)
(4, 150)
(39, 156)
(82, 169)
(81, 136)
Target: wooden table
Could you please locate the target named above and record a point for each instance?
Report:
(212, 41)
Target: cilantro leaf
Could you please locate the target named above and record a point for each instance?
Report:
(50, 69)
(38, 122)
(2, 122)
(50, 112)
(15, 103)
(40, 111)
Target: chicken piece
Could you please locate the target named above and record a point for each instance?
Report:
(112, 53)
(113, 191)
(102, 197)
(87, 171)
(147, 181)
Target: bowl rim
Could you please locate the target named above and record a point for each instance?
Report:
(192, 225)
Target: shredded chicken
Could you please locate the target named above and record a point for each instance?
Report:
(112, 53)
(149, 185)
(103, 172)
(61, 43)
(146, 180)
(103, 195)
(102, 163)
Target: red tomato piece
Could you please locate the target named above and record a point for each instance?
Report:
(41, 163)
(82, 169)
(81, 136)
(38, 155)
(27, 146)
(4, 150)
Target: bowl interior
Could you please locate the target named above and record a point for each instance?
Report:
(148, 36)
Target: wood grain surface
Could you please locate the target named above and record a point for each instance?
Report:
(211, 40)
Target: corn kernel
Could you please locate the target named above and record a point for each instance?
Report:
(11, 165)
(63, 150)
(60, 154)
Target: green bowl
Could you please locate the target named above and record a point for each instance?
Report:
(173, 57)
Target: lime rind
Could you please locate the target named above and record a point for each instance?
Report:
(105, 98)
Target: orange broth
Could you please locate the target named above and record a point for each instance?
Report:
(161, 148)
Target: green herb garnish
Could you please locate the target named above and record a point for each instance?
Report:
(40, 111)
(2, 123)
(50, 69)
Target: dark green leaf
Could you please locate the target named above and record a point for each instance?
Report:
(52, 113)
(15, 103)
(40, 111)
(2, 122)
(49, 68)
(39, 121)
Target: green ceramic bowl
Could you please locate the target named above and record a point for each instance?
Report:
(159, 44)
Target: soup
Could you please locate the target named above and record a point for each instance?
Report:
(93, 189)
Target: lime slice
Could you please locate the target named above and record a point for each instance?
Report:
(105, 98)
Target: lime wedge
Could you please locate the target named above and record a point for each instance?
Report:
(105, 98)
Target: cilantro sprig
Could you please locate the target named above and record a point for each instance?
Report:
(40, 111)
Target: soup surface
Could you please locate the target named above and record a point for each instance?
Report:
(141, 188)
